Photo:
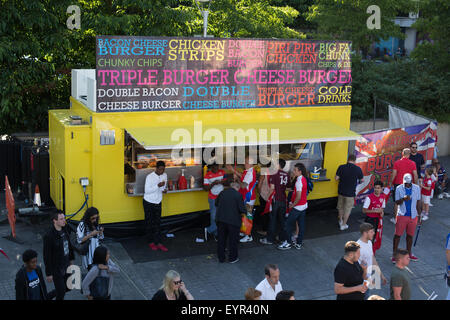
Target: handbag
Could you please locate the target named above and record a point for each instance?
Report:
(247, 224)
(99, 287)
(81, 248)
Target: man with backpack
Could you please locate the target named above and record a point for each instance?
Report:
(348, 175)
(297, 209)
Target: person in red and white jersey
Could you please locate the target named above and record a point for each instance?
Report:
(297, 212)
(247, 182)
(426, 186)
(213, 183)
(374, 205)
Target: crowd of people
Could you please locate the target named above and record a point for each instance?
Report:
(281, 220)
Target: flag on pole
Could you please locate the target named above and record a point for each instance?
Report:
(268, 207)
(3, 252)
(378, 237)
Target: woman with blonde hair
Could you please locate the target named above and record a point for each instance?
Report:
(173, 288)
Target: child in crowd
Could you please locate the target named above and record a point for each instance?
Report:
(426, 186)
(434, 178)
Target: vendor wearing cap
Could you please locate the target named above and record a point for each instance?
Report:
(409, 213)
(402, 167)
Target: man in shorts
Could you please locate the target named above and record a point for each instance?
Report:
(348, 176)
(409, 213)
(402, 167)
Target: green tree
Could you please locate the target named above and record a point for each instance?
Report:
(410, 84)
(38, 51)
(33, 37)
(347, 20)
(300, 23)
(434, 25)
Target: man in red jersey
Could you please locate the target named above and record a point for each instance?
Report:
(213, 183)
(297, 210)
(374, 205)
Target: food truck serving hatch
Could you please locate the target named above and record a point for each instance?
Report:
(229, 135)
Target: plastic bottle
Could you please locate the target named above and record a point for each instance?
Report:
(192, 182)
(182, 183)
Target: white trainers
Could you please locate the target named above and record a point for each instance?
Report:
(344, 227)
(446, 195)
(430, 204)
(393, 220)
(425, 218)
(284, 246)
(246, 239)
(441, 196)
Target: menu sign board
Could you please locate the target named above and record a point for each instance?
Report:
(166, 73)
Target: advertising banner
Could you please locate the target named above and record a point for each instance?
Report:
(377, 152)
(166, 73)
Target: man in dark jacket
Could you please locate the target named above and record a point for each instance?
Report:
(58, 255)
(230, 206)
(30, 283)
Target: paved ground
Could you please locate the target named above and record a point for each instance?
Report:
(309, 272)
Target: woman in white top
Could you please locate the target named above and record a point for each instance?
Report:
(89, 230)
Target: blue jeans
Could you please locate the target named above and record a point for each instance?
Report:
(212, 210)
(299, 217)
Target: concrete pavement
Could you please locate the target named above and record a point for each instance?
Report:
(309, 272)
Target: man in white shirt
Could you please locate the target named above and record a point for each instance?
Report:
(367, 258)
(155, 186)
(271, 285)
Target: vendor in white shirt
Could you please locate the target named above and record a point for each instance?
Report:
(271, 285)
(155, 186)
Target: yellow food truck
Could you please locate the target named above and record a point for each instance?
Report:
(150, 96)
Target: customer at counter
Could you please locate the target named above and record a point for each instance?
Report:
(230, 207)
(247, 182)
(213, 183)
(155, 186)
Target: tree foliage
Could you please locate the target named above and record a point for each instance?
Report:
(347, 20)
(410, 84)
(33, 42)
(38, 51)
(434, 25)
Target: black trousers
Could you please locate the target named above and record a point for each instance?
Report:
(277, 224)
(374, 222)
(260, 220)
(228, 232)
(60, 282)
(152, 221)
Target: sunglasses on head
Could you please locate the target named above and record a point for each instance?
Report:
(178, 282)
